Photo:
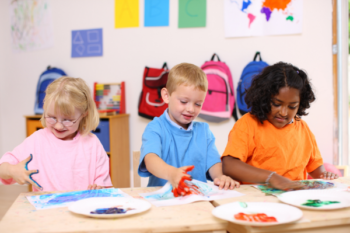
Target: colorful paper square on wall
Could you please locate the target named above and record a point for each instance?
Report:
(87, 43)
(126, 13)
(156, 13)
(192, 13)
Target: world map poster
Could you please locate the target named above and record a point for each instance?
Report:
(244, 18)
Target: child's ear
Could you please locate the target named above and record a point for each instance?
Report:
(165, 95)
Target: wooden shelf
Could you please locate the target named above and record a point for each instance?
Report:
(119, 154)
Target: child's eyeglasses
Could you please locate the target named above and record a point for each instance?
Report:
(66, 123)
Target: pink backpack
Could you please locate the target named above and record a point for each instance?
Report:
(219, 102)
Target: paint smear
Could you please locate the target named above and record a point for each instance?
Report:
(111, 210)
(318, 203)
(307, 185)
(259, 217)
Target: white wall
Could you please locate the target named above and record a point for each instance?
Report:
(128, 51)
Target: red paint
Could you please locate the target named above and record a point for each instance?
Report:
(254, 217)
(190, 189)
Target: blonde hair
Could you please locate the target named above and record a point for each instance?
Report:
(187, 74)
(69, 94)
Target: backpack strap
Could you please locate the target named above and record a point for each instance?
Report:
(165, 66)
(234, 112)
(256, 56)
(213, 57)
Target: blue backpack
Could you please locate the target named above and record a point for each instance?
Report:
(249, 72)
(45, 79)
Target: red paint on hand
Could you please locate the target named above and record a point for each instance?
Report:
(254, 217)
(182, 188)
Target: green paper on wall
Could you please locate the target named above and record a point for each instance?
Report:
(192, 13)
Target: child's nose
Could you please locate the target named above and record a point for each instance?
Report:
(190, 108)
(284, 111)
(59, 126)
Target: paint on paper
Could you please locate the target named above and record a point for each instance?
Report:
(56, 200)
(31, 25)
(307, 185)
(318, 203)
(204, 192)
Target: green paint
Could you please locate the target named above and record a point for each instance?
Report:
(319, 203)
(291, 18)
(243, 204)
(307, 185)
(192, 13)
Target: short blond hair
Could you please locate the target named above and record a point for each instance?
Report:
(69, 94)
(187, 74)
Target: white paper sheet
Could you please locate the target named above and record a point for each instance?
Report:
(164, 196)
(31, 25)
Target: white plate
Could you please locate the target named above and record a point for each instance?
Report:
(85, 206)
(283, 213)
(297, 198)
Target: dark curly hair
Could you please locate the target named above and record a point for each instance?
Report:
(268, 83)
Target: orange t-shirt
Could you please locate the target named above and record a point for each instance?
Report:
(290, 151)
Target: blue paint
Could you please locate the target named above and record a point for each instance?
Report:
(33, 173)
(62, 199)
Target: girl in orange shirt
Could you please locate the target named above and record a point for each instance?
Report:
(271, 143)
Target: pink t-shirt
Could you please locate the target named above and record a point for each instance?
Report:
(62, 165)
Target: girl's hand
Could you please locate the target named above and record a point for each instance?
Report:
(177, 174)
(94, 186)
(280, 182)
(19, 173)
(328, 176)
(226, 182)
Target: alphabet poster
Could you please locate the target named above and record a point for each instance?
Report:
(126, 13)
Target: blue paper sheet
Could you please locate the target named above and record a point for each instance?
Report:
(56, 200)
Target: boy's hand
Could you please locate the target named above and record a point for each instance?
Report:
(94, 186)
(176, 176)
(19, 173)
(226, 182)
(280, 182)
(328, 176)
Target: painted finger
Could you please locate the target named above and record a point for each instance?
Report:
(36, 183)
(28, 160)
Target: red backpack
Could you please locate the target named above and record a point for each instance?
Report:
(151, 103)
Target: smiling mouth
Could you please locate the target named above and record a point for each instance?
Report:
(187, 116)
(280, 119)
(60, 131)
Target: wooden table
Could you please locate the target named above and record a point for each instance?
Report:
(195, 217)
(317, 221)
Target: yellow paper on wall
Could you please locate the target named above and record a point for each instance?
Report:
(126, 13)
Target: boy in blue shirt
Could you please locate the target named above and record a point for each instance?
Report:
(173, 142)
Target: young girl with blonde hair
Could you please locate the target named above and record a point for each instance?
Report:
(64, 155)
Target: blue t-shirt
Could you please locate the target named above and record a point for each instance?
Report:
(178, 148)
